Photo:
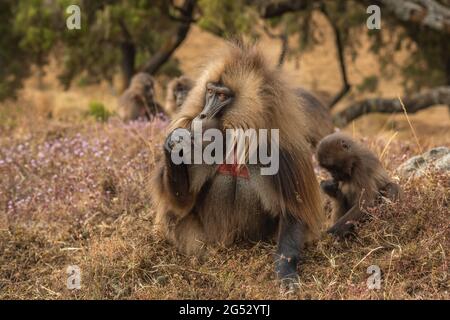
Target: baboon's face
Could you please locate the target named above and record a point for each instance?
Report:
(217, 99)
(340, 172)
(149, 89)
(180, 93)
(334, 154)
(143, 83)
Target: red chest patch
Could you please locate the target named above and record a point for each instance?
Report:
(234, 170)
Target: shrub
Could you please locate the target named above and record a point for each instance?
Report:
(98, 111)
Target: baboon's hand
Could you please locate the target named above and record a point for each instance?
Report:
(171, 141)
(391, 191)
(286, 270)
(289, 285)
(287, 274)
(330, 187)
(343, 230)
(169, 144)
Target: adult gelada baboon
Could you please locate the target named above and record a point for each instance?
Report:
(201, 204)
(359, 180)
(177, 91)
(319, 122)
(138, 100)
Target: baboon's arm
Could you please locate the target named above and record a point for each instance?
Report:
(291, 237)
(331, 188)
(174, 181)
(392, 191)
(345, 224)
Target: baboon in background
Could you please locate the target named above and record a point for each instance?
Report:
(177, 91)
(319, 121)
(207, 204)
(138, 100)
(359, 180)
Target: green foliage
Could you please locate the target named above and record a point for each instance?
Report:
(227, 18)
(13, 63)
(98, 111)
(171, 68)
(428, 64)
(35, 21)
(369, 84)
(106, 26)
(33, 29)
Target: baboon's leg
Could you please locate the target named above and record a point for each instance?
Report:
(189, 236)
(291, 239)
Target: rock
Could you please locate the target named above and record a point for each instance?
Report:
(162, 280)
(434, 159)
(436, 153)
(443, 163)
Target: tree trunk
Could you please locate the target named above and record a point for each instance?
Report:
(341, 58)
(168, 48)
(128, 63)
(413, 104)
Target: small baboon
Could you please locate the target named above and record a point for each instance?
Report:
(200, 204)
(358, 180)
(138, 100)
(319, 121)
(177, 91)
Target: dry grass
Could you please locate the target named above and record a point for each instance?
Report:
(76, 194)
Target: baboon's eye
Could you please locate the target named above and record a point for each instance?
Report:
(210, 91)
(222, 96)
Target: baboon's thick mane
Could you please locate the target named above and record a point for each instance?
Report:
(263, 100)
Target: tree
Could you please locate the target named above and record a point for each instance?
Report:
(15, 59)
(412, 103)
(115, 36)
(132, 35)
(423, 25)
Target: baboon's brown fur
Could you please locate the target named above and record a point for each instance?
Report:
(359, 180)
(320, 123)
(138, 100)
(173, 103)
(220, 209)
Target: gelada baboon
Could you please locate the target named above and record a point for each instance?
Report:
(177, 91)
(319, 121)
(138, 100)
(204, 204)
(359, 180)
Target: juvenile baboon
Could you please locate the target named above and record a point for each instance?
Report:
(359, 180)
(319, 121)
(201, 204)
(138, 100)
(177, 91)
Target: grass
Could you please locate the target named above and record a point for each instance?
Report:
(77, 194)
